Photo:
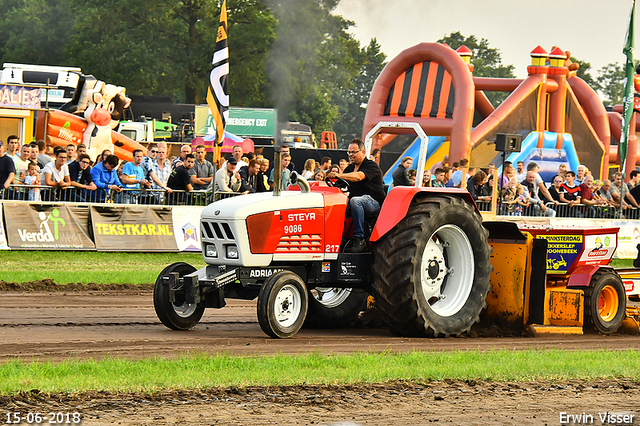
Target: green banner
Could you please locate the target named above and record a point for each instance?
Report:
(627, 102)
(47, 226)
(133, 228)
(244, 122)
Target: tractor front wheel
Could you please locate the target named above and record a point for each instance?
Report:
(177, 315)
(431, 271)
(605, 302)
(282, 305)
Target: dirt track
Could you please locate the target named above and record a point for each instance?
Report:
(56, 326)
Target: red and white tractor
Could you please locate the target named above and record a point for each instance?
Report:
(428, 265)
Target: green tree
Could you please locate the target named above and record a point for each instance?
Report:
(611, 84)
(313, 61)
(163, 48)
(35, 31)
(352, 101)
(487, 61)
(584, 72)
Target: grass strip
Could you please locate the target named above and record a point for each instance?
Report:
(196, 371)
(65, 267)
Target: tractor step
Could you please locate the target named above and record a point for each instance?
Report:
(555, 329)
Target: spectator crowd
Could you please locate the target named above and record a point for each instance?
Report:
(27, 172)
(522, 191)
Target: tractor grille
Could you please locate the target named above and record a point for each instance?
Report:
(217, 230)
(300, 243)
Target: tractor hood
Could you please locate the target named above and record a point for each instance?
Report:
(243, 206)
(224, 231)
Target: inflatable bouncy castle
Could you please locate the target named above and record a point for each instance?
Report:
(560, 118)
(89, 118)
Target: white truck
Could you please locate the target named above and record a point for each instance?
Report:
(58, 83)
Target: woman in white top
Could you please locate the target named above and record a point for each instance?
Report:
(309, 167)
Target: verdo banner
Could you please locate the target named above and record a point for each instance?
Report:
(50, 226)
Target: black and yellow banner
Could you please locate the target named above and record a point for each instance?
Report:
(50, 226)
(218, 93)
(124, 228)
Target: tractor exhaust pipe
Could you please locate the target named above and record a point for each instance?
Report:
(296, 179)
(277, 173)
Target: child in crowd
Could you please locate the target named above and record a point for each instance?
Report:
(509, 196)
(522, 200)
(33, 178)
(412, 173)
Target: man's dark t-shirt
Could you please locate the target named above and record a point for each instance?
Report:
(571, 193)
(7, 166)
(76, 174)
(179, 179)
(635, 192)
(372, 185)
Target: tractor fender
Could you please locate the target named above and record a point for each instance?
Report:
(581, 276)
(398, 200)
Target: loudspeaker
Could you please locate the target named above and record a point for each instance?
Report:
(508, 142)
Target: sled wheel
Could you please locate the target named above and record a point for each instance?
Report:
(334, 307)
(177, 315)
(605, 302)
(431, 271)
(282, 304)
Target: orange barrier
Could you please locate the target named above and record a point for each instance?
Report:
(328, 140)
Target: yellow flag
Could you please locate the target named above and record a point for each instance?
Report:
(217, 94)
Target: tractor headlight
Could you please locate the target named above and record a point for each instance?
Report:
(232, 251)
(211, 250)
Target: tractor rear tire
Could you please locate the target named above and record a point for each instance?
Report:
(282, 305)
(179, 315)
(605, 302)
(335, 307)
(431, 271)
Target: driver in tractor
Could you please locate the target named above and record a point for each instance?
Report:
(366, 192)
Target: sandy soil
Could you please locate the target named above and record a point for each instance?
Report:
(122, 322)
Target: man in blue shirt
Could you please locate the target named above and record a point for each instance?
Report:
(133, 177)
(105, 177)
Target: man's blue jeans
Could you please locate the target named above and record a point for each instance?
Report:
(359, 207)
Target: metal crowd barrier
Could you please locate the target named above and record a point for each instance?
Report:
(484, 206)
(73, 194)
(590, 212)
(48, 193)
(219, 195)
(126, 196)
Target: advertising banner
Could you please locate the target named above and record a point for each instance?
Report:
(562, 251)
(598, 248)
(19, 97)
(50, 226)
(628, 239)
(186, 227)
(3, 237)
(133, 228)
(245, 122)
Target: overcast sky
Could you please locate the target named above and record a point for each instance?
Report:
(592, 30)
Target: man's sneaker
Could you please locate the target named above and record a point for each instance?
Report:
(358, 245)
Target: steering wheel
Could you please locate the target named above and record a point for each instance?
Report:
(337, 182)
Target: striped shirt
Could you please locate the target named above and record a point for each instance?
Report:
(162, 173)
